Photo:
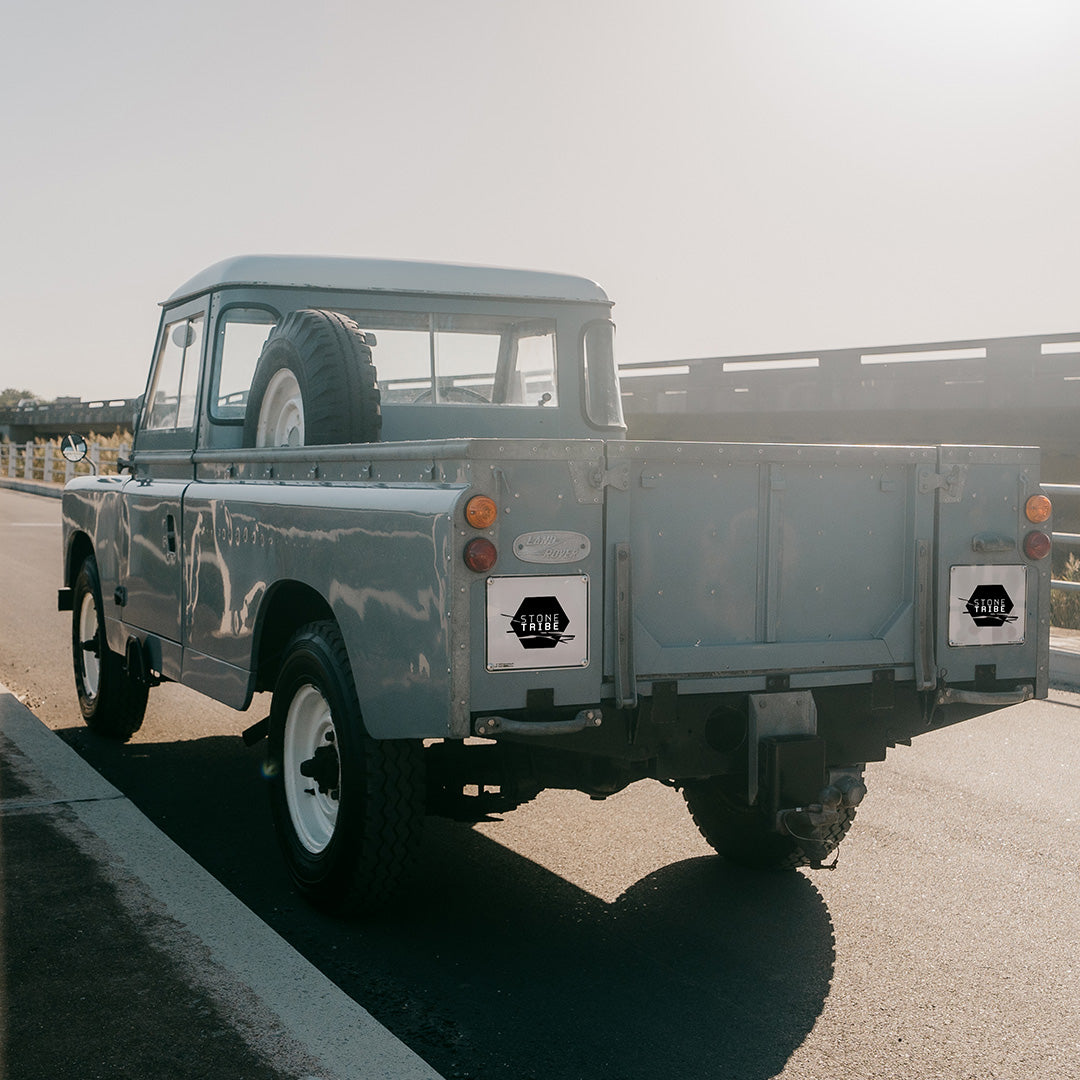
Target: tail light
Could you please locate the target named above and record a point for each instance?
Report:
(1038, 509)
(1037, 545)
(480, 554)
(480, 512)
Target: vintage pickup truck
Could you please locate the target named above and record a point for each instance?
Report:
(400, 496)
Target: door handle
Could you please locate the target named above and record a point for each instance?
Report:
(169, 537)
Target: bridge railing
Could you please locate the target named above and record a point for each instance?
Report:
(44, 462)
(1041, 371)
(78, 415)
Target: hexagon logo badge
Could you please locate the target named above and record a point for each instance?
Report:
(540, 623)
(990, 605)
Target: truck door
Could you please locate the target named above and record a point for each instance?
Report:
(153, 583)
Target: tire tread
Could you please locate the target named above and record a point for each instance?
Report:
(332, 362)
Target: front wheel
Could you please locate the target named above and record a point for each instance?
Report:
(348, 809)
(113, 702)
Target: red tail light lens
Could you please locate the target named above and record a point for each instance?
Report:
(1037, 545)
(480, 554)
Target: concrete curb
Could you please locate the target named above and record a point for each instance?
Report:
(33, 487)
(320, 1018)
(1065, 669)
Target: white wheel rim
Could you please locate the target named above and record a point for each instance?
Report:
(281, 415)
(88, 628)
(308, 724)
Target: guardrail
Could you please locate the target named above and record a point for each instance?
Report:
(44, 462)
(1065, 646)
(1064, 539)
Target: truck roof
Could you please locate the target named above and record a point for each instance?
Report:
(389, 275)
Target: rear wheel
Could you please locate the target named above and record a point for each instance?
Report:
(741, 833)
(348, 809)
(112, 701)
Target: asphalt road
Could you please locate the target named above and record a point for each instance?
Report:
(576, 939)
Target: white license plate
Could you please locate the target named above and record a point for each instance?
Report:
(537, 622)
(987, 605)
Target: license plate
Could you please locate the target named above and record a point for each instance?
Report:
(987, 605)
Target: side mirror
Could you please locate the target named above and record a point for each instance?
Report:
(183, 335)
(73, 447)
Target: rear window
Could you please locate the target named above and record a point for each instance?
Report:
(446, 359)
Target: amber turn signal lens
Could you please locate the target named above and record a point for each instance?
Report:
(1037, 509)
(480, 512)
(1037, 545)
(480, 554)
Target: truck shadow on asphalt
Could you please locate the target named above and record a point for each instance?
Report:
(494, 968)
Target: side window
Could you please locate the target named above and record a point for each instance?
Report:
(170, 403)
(241, 334)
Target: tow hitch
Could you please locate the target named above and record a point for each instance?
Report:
(813, 825)
(845, 792)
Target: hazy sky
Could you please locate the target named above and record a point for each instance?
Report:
(740, 175)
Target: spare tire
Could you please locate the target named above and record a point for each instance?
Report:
(314, 384)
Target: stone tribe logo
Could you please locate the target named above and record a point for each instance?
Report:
(990, 605)
(540, 623)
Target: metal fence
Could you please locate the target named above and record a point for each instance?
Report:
(44, 462)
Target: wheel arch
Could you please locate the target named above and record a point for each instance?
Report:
(79, 546)
(287, 606)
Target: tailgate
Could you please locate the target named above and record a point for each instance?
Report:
(742, 561)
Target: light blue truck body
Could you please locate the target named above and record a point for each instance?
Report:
(696, 577)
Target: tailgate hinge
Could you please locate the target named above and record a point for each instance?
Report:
(590, 478)
(951, 483)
